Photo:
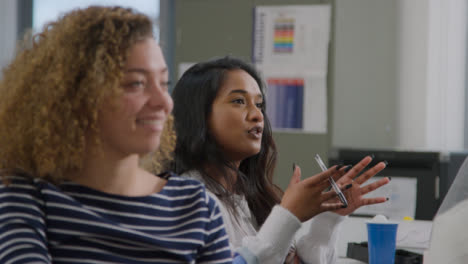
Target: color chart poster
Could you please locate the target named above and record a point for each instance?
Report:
(283, 35)
(296, 35)
(296, 101)
(291, 51)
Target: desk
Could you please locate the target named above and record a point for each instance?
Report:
(413, 236)
(348, 261)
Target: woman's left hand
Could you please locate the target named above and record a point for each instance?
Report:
(353, 189)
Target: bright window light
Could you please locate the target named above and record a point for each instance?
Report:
(45, 11)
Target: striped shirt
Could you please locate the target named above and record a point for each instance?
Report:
(70, 223)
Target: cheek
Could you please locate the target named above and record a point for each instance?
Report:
(225, 127)
(128, 106)
(170, 103)
(224, 120)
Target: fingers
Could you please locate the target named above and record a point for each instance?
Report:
(296, 174)
(330, 206)
(296, 177)
(375, 185)
(341, 177)
(326, 196)
(376, 200)
(343, 188)
(338, 174)
(356, 169)
(321, 179)
(370, 172)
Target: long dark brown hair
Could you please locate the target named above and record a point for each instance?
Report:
(195, 148)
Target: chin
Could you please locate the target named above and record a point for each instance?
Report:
(257, 149)
(253, 152)
(149, 147)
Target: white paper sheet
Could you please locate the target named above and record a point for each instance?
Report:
(292, 42)
(304, 31)
(402, 194)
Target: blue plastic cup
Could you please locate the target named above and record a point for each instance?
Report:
(381, 242)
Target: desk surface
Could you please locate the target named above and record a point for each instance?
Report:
(412, 236)
(348, 261)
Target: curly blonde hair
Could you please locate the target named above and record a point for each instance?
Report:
(51, 92)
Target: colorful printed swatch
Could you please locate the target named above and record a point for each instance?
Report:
(283, 39)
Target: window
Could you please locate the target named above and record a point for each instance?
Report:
(45, 11)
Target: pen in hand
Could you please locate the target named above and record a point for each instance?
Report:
(332, 182)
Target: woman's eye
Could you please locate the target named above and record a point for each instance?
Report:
(238, 101)
(165, 85)
(134, 85)
(259, 105)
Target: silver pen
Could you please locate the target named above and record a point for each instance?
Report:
(332, 182)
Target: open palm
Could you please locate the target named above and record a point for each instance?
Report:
(353, 189)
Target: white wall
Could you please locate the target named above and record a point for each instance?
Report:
(412, 59)
(8, 31)
(365, 74)
(446, 74)
(399, 74)
(432, 56)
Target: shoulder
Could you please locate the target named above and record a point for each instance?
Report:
(182, 185)
(21, 192)
(193, 174)
(184, 182)
(21, 186)
(22, 198)
(185, 191)
(23, 222)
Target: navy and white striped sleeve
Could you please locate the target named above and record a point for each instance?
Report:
(22, 223)
(217, 249)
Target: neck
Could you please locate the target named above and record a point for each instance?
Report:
(222, 176)
(117, 175)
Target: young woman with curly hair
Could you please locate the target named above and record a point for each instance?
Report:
(85, 119)
(224, 139)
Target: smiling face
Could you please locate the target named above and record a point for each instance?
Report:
(133, 124)
(236, 118)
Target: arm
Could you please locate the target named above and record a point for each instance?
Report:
(22, 223)
(318, 244)
(216, 248)
(273, 240)
(301, 201)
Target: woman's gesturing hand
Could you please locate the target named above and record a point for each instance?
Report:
(352, 186)
(306, 198)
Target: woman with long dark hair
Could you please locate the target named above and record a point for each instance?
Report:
(224, 139)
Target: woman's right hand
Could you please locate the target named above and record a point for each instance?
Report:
(306, 198)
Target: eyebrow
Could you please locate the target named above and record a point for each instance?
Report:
(141, 70)
(244, 92)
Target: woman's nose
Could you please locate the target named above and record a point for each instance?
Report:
(255, 113)
(159, 97)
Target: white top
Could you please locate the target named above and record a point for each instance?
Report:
(315, 240)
